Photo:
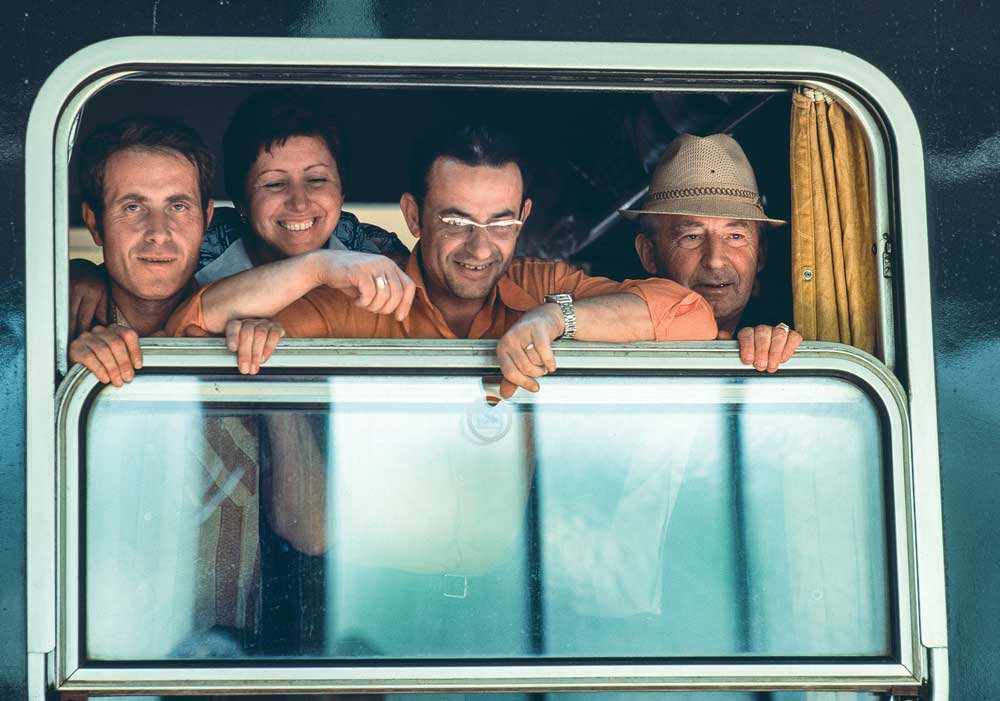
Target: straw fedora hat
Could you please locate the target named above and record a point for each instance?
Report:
(705, 177)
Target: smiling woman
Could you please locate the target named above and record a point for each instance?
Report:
(282, 154)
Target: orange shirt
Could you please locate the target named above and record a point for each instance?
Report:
(677, 313)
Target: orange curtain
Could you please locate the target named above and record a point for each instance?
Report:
(833, 236)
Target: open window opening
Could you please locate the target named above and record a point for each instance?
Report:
(589, 154)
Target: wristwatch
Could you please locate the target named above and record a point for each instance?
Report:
(565, 302)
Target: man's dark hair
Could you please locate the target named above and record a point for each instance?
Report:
(480, 144)
(156, 134)
(267, 119)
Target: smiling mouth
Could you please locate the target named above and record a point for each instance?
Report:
(297, 225)
(473, 268)
(156, 259)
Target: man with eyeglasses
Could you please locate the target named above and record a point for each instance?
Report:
(702, 225)
(466, 205)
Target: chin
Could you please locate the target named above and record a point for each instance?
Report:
(299, 247)
(470, 292)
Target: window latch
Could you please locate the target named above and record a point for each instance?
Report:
(886, 256)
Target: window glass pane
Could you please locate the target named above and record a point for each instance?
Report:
(589, 695)
(405, 517)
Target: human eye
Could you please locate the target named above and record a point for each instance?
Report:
(736, 238)
(689, 240)
(132, 207)
(180, 207)
(504, 228)
(318, 181)
(455, 222)
(274, 185)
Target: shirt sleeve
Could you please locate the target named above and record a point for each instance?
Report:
(301, 319)
(677, 313)
(188, 319)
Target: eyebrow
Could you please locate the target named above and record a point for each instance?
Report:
(136, 197)
(687, 225)
(285, 172)
(456, 212)
(130, 196)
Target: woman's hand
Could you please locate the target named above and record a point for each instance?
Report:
(253, 341)
(377, 284)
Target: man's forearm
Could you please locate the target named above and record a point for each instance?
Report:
(615, 318)
(297, 504)
(262, 291)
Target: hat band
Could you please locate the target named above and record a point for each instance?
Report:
(749, 195)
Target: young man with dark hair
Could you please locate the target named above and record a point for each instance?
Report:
(462, 279)
(145, 185)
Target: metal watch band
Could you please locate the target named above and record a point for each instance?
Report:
(565, 302)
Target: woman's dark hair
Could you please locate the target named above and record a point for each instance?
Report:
(157, 134)
(267, 119)
(479, 144)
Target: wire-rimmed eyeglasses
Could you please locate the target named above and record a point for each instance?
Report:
(462, 227)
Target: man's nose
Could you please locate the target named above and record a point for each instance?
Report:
(714, 252)
(158, 226)
(478, 243)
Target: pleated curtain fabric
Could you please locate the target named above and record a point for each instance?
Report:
(833, 237)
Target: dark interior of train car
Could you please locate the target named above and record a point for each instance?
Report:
(590, 153)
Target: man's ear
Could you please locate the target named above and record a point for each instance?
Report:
(90, 219)
(761, 246)
(644, 247)
(525, 209)
(411, 213)
(209, 211)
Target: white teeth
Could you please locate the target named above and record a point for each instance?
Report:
(297, 227)
(472, 267)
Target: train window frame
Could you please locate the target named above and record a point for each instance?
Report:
(899, 207)
(445, 358)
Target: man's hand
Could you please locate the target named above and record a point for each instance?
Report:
(377, 284)
(525, 351)
(766, 347)
(111, 353)
(88, 290)
(253, 341)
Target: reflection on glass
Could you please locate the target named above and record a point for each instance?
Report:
(405, 517)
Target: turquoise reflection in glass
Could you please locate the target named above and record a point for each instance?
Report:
(634, 517)
(717, 518)
(143, 483)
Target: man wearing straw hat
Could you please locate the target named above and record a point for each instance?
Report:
(702, 225)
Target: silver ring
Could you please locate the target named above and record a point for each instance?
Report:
(529, 346)
(381, 283)
(784, 327)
